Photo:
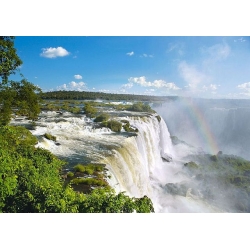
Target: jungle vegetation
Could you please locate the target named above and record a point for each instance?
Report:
(85, 95)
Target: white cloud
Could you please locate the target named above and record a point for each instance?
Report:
(108, 91)
(130, 53)
(64, 86)
(211, 87)
(156, 83)
(245, 87)
(80, 86)
(54, 52)
(242, 40)
(191, 75)
(128, 85)
(78, 76)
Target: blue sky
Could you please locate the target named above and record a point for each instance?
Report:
(198, 66)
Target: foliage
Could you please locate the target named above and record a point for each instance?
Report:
(102, 117)
(9, 60)
(29, 176)
(50, 137)
(114, 125)
(89, 181)
(214, 157)
(89, 168)
(105, 200)
(84, 95)
(75, 110)
(191, 165)
(21, 97)
(127, 127)
(141, 107)
(228, 177)
(70, 174)
(30, 182)
(89, 110)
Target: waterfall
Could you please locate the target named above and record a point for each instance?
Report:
(141, 163)
(135, 165)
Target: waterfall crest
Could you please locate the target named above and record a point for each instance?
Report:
(134, 165)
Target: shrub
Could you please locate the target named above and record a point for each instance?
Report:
(214, 157)
(79, 168)
(88, 181)
(89, 168)
(70, 174)
(101, 118)
(127, 127)
(114, 125)
(50, 137)
(75, 110)
(89, 110)
(141, 107)
(191, 165)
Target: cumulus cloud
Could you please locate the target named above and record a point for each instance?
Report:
(130, 53)
(78, 76)
(128, 85)
(245, 87)
(156, 83)
(80, 86)
(54, 52)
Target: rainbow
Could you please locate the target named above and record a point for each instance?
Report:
(207, 136)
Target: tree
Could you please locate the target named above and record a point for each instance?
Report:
(9, 60)
(27, 99)
(30, 177)
(23, 97)
(105, 200)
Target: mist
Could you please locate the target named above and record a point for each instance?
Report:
(213, 125)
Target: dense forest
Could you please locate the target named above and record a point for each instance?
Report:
(31, 178)
(84, 95)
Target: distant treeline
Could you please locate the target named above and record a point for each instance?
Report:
(84, 95)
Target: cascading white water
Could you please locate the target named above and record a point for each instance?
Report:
(145, 163)
(139, 164)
